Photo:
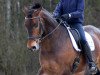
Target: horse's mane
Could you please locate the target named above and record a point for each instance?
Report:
(49, 17)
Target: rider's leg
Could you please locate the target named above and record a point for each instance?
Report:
(85, 47)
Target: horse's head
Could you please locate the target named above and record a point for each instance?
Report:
(34, 25)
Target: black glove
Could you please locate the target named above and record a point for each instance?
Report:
(65, 17)
(57, 18)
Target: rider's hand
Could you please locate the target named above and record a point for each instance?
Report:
(66, 16)
(57, 18)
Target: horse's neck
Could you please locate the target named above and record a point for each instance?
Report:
(56, 39)
(49, 25)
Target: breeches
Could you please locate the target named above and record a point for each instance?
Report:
(79, 27)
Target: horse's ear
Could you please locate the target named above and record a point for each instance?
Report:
(25, 10)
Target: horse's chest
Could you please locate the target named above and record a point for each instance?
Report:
(50, 65)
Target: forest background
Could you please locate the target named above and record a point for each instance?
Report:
(15, 58)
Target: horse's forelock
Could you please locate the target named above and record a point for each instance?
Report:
(33, 7)
(36, 6)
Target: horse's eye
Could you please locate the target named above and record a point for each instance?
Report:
(35, 25)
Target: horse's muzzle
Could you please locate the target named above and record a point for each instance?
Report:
(34, 48)
(33, 45)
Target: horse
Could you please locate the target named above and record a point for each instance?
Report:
(56, 54)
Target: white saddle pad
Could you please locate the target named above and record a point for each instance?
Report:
(88, 38)
(90, 41)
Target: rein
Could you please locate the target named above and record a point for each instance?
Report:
(40, 23)
(51, 31)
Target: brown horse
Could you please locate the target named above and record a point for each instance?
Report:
(56, 52)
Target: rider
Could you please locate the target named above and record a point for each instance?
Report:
(72, 11)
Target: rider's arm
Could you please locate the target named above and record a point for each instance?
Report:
(58, 9)
(80, 10)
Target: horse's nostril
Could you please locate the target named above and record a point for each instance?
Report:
(34, 47)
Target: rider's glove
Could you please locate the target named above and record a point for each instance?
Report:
(57, 17)
(66, 16)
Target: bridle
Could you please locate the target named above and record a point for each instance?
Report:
(32, 37)
(40, 37)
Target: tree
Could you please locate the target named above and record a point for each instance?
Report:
(15, 58)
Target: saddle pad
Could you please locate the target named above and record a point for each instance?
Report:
(88, 38)
(90, 41)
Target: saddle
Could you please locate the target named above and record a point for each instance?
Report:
(75, 38)
(76, 35)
